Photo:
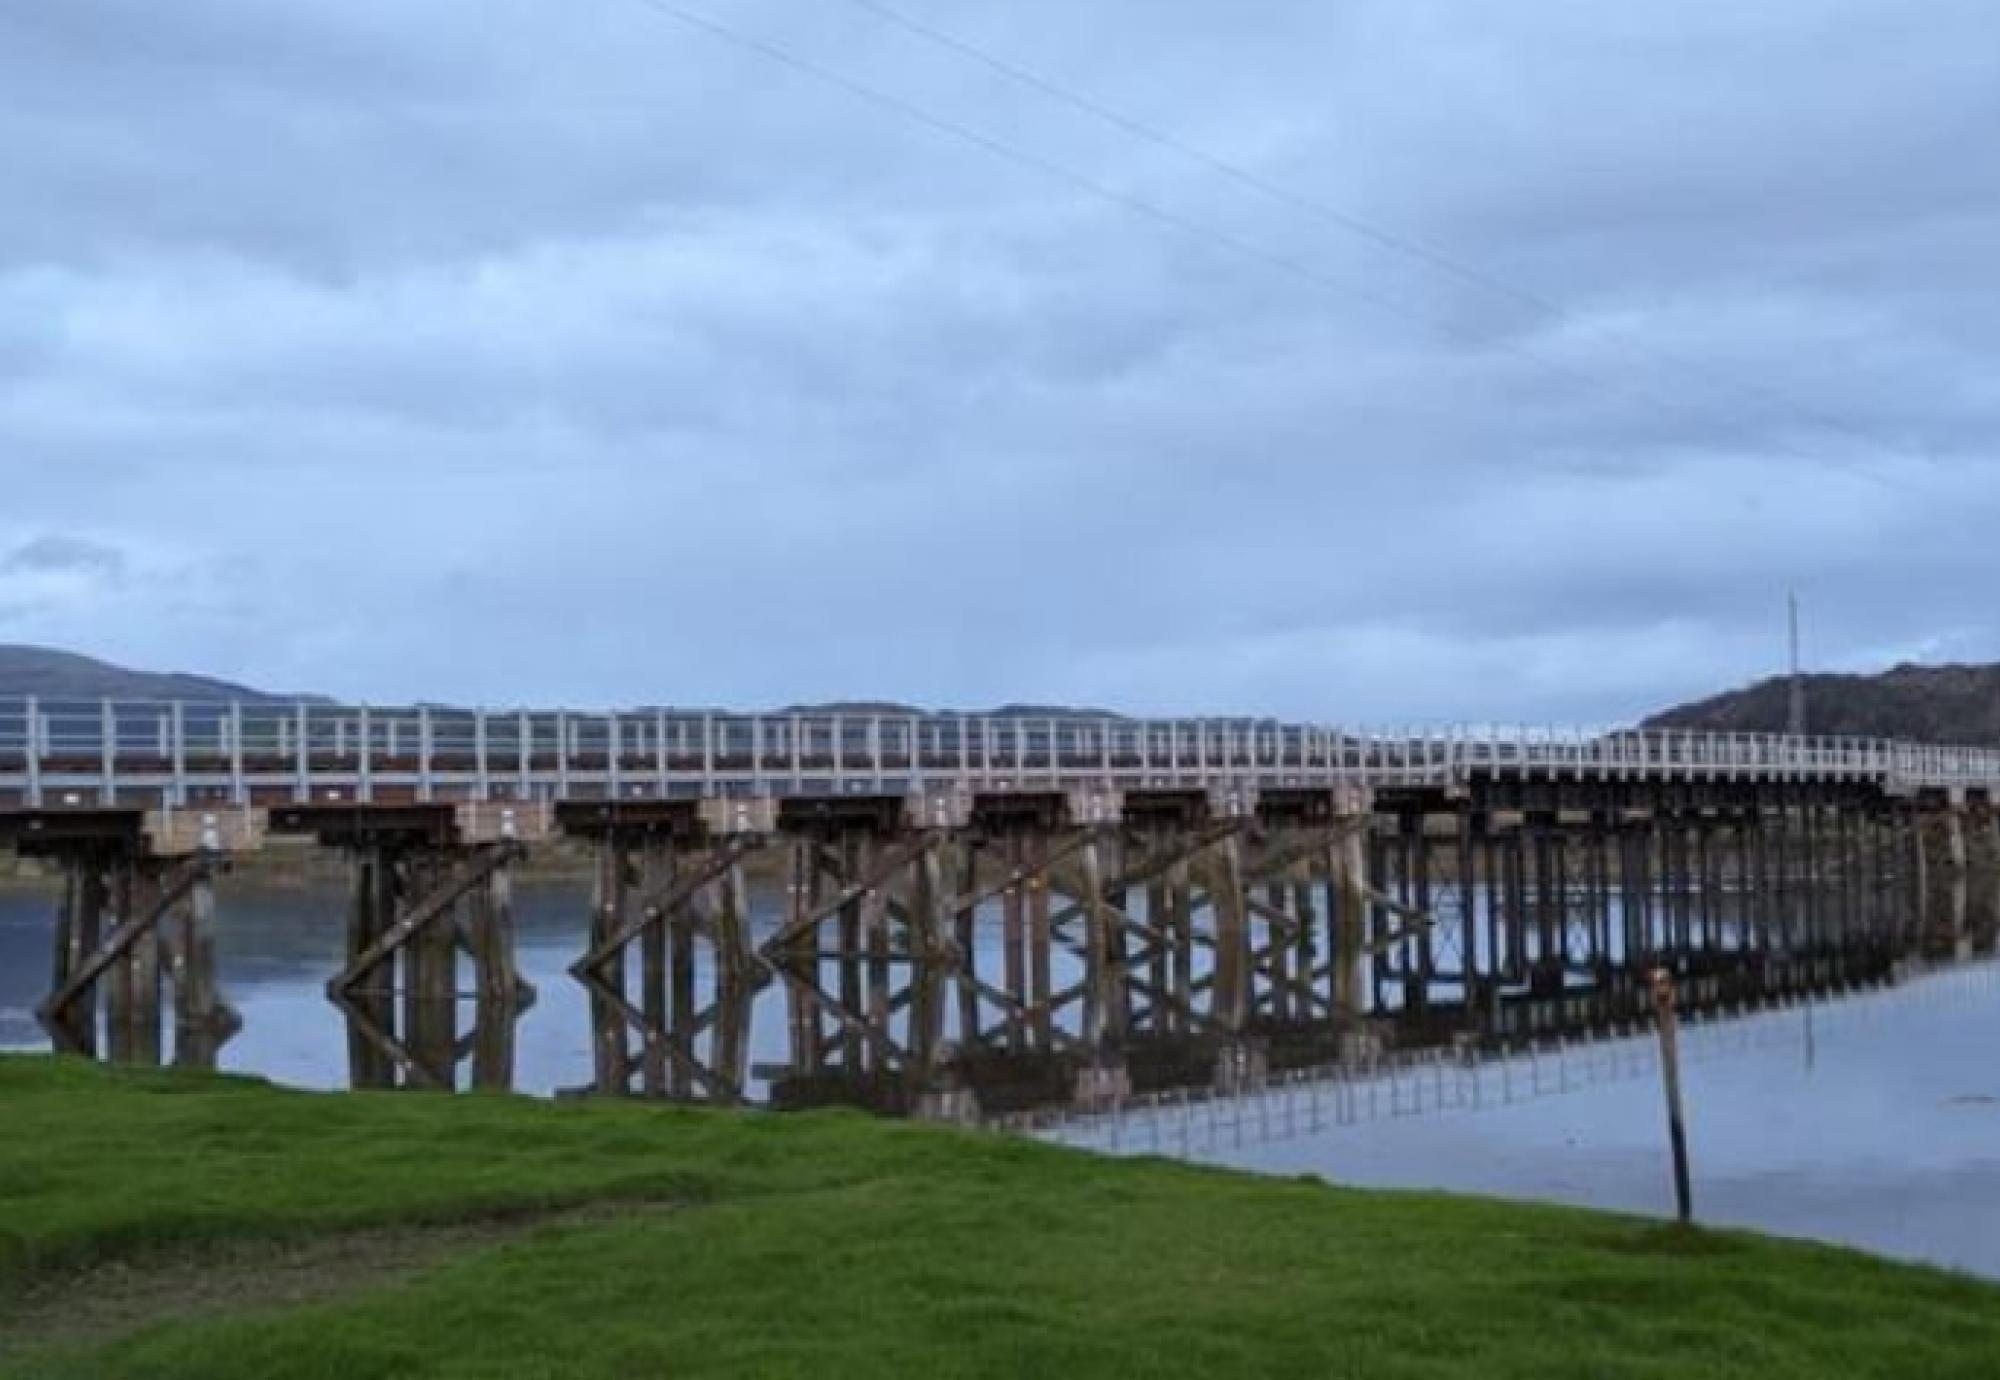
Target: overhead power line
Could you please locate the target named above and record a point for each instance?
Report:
(1083, 182)
(1382, 237)
(1187, 226)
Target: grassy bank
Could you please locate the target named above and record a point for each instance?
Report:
(160, 1225)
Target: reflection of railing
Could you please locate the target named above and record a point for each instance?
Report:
(181, 751)
(1312, 1101)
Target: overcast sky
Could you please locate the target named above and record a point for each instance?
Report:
(516, 351)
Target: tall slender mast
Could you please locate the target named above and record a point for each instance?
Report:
(1795, 720)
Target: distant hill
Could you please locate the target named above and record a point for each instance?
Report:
(1934, 704)
(889, 709)
(52, 674)
(58, 675)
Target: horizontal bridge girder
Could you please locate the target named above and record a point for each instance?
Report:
(675, 819)
(347, 825)
(44, 831)
(132, 832)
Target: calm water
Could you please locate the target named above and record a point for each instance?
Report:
(1881, 1131)
(277, 944)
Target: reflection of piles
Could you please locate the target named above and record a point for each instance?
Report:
(1204, 1120)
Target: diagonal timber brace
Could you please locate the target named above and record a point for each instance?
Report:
(439, 903)
(120, 941)
(658, 898)
(667, 899)
(416, 905)
(161, 913)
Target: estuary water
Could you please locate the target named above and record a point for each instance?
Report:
(1873, 1121)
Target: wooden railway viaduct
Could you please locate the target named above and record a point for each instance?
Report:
(1191, 900)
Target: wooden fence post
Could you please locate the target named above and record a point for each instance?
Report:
(1670, 1074)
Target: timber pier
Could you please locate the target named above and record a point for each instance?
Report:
(976, 916)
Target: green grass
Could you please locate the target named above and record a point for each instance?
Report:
(829, 1246)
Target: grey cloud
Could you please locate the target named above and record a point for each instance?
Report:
(499, 352)
(61, 555)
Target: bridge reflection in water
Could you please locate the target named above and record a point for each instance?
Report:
(930, 1042)
(1306, 1102)
(989, 925)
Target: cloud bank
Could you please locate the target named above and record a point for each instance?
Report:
(506, 352)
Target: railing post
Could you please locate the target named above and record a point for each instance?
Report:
(364, 731)
(239, 791)
(107, 748)
(562, 756)
(31, 748)
(425, 744)
(524, 749)
(614, 752)
(663, 769)
(302, 754)
(177, 753)
(482, 769)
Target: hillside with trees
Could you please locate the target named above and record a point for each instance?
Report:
(1936, 704)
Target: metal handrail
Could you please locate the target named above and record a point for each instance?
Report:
(188, 748)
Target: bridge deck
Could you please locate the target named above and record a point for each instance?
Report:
(169, 755)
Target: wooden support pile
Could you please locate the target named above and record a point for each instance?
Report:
(129, 927)
(656, 899)
(414, 909)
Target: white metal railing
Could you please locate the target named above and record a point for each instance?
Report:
(61, 751)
